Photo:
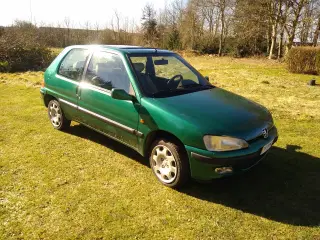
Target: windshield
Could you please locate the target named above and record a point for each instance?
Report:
(167, 75)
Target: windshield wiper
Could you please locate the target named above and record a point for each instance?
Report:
(195, 85)
(183, 89)
(168, 91)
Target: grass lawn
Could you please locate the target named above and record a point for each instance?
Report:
(82, 185)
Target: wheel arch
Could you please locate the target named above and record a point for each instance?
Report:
(151, 137)
(47, 98)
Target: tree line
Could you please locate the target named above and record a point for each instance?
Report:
(235, 27)
(239, 27)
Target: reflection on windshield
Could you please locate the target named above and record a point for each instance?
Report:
(167, 74)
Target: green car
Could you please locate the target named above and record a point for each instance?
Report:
(155, 102)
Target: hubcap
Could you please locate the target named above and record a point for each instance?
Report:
(164, 164)
(55, 114)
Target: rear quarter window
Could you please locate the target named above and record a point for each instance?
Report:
(73, 64)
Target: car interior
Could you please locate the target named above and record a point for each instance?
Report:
(109, 75)
(157, 74)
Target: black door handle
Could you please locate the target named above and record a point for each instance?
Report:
(77, 92)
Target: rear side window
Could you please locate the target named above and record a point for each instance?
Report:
(73, 64)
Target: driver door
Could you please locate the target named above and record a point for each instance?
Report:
(115, 118)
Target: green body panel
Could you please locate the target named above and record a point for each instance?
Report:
(209, 112)
(123, 112)
(58, 88)
(187, 117)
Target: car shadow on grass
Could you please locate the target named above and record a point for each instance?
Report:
(89, 134)
(284, 187)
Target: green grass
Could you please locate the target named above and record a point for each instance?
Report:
(82, 185)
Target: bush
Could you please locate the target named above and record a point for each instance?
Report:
(318, 62)
(4, 66)
(18, 54)
(304, 60)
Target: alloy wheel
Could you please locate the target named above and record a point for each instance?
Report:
(164, 164)
(55, 114)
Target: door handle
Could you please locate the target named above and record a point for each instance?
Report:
(77, 92)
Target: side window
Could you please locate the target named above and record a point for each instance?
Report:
(106, 70)
(73, 64)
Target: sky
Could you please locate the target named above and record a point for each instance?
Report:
(79, 12)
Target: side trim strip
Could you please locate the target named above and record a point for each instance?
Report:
(107, 120)
(68, 103)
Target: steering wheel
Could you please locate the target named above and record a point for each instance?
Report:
(174, 77)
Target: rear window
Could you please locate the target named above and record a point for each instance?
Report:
(73, 64)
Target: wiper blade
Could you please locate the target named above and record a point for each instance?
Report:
(168, 91)
(208, 86)
(195, 85)
(190, 85)
(186, 88)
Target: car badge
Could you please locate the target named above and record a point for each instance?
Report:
(265, 133)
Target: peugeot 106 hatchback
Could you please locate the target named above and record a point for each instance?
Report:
(156, 103)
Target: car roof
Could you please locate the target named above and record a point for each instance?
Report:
(127, 49)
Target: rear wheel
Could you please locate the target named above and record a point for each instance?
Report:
(56, 116)
(169, 163)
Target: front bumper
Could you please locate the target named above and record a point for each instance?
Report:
(206, 165)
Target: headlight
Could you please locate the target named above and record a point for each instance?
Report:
(220, 143)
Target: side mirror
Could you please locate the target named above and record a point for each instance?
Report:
(206, 77)
(120, 94)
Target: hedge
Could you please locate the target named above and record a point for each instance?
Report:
(304, 60)
(17, 55)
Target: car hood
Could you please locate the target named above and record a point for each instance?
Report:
(219, 112)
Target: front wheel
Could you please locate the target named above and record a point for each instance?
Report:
(169, 163)
(56, 116)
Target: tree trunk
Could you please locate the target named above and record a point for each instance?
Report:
(268, 35)
(217, 24)
(222, 7)
(289, 43)
(275, 22)
(273, 39)
(280, 44)
(316, 33)
(283, 20)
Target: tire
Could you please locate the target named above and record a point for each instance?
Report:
(169, 163)
(56, 116)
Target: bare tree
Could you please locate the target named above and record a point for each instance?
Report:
(222, 8)
(316, 33)
(275, 15)
(295, 7)
(117, 19)
(67, 23)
